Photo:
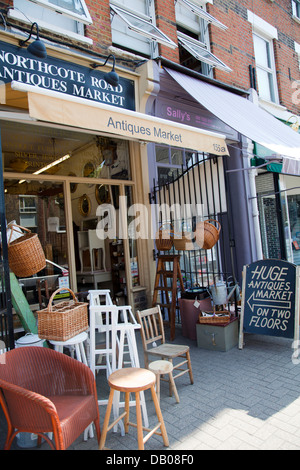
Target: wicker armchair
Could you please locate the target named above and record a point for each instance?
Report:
(44, 391)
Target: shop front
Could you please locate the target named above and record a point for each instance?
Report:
(251, 203)
(73, 148)
(200, 180)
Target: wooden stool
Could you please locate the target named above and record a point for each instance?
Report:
(133, 380)
(160, 368)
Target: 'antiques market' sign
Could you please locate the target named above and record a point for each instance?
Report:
(17, 64)
(270, 299)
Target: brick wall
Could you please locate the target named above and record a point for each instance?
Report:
(235, 46)
(166, 21)
(100, 30)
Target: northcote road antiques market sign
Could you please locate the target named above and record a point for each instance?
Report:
(270, 299)
(17, 64)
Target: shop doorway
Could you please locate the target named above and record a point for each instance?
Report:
(99, 247)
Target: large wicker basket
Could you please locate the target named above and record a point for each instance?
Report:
(207, 234)
(164, 238)
(64, 320)
(183, 241)
(25, 254)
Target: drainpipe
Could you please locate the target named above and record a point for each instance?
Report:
(253, 96)
(255, 213)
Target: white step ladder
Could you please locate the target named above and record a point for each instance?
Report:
(115, 326)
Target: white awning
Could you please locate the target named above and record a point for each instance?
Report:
(55, 107)
(246, 118)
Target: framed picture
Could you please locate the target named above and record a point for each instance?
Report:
(73, 186)
(84, 205)
(88, 169)
(102, 194)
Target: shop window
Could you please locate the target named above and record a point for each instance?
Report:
(63, 17)
(28, 211)
(27, 204)
(170, 162)
(294, 218)
(135, 28)
(193, 37)
(66, 153)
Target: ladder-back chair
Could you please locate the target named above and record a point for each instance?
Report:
(154, 343)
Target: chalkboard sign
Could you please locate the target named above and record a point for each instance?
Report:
(270, 299)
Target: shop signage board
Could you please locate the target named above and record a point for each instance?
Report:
(270, 299)
(80, 113)
(179, 111)
(67, 78)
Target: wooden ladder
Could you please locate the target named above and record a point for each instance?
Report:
(161, 284)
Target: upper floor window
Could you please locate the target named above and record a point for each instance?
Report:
(60, 16)
(193, 36)
(263, 35)
(296, 8)
(265, 68)
(133, 27)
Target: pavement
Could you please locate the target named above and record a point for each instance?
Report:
(246, 399)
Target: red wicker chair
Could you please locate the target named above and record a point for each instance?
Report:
(43, 391)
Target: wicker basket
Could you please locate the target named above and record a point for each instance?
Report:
(25, 254)
(164, 238)
(207, 234)
(214, 318)
(182, 241)
(63, 320)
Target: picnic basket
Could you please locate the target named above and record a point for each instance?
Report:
(63, 320)
(25, 254)
(164, 237)
(207, 234)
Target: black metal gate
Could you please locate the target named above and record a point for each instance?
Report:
(196, 194)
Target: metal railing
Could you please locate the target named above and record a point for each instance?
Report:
(190, 195)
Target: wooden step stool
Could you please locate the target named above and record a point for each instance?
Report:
(163, 274)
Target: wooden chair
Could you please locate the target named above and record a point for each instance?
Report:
(88, 241)
(44, 391)
(154, 344)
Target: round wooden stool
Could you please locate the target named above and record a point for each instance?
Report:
(161, 368)
(133, 380)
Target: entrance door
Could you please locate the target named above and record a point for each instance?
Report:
(99, 247)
